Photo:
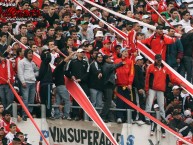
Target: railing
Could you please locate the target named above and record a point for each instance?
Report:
(85, 116)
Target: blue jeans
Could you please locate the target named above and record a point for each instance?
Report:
(62, 94)
(28, 95)
(6, 95)
(96, 97)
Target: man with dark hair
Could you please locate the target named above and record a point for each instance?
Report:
(6, 122)
(66, 18)
(3, 42)
(16, 141)
(10, 135)
(20, 135)
(27, 73)
(3, 140)
(186, 19)
(51, 16)
(23, 31)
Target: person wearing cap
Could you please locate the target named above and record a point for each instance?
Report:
(154, 125)
(108, 74)
(131, 40)
(95, 11)
(124, 81)
(175, 93)
(106, 48)
(178, 125)
(138, 88)
(84, 32)
(27, 73)
(51, 16)
(97, 43)
(145, 19)
(78, 70)
(155, 84)
(96, 81)
(158, 42)
(78, 14)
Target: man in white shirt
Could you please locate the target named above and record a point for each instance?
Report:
(186, 19)
(11, 133)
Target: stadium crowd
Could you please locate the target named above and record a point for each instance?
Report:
(85, 50)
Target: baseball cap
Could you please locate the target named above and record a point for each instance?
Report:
(106, 41)
(145, 16)
(158, 57)
(93, 9)
(78, 8)
(83, 22)
(175, 87)
(122, 49)
(138, 58)
(99, 34)
(84, 40)
(155, 106)
(80, 50)
(96, 26)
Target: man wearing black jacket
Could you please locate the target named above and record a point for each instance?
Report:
(108, 71)
(45, 78)
(138, 88)
(61, 91)
(78, 70)
(187, 43)
(96, 81)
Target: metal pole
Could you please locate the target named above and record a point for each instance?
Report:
(43, 111)
(86, 117)
(158, 131)
(14, 111)
(129, 116)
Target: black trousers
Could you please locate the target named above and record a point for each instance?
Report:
(46, 98)
(108, 94)
(79, 112)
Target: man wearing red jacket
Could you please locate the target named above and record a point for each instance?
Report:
(132, 40)
(158, 42)
(7, 72)
(125, 76)
(155, 84)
